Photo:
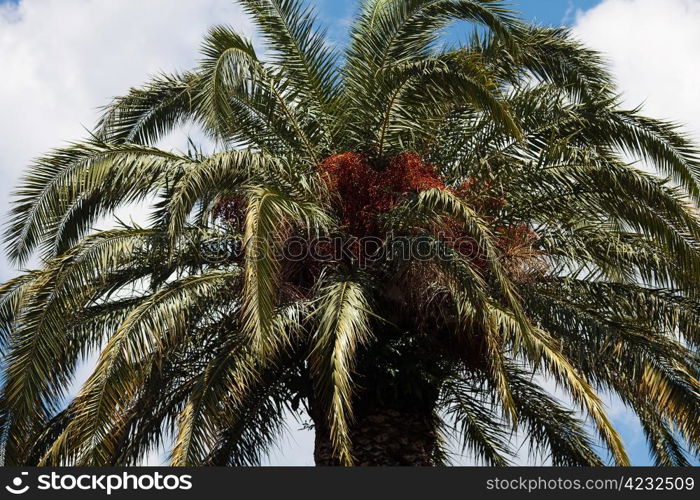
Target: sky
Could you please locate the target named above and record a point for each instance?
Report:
(62, 59)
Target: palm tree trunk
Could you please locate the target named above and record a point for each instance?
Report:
(384, 437)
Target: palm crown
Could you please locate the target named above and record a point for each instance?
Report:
(490, 231)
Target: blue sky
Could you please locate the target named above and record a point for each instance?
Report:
(548, 12)
(336, 14)
(61, 59)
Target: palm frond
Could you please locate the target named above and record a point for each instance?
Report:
(269, 214)
(156, 324)
(301, 50)
(343, 326)
(121, 173)
(146, 114)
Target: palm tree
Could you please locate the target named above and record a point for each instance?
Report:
(483, 236)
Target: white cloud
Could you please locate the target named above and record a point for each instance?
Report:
(654, 51)
(62, 59)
